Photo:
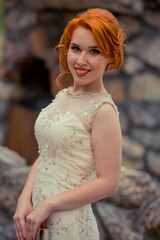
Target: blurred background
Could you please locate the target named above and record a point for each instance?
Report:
(29, 31)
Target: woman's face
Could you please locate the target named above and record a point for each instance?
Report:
(85, 60)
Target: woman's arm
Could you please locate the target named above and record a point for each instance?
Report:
(24, 206)
(27, 190)
(106, 141)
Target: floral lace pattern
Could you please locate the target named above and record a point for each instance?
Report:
(80, 226)
(63, 131)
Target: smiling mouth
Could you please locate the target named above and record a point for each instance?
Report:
(81, 71)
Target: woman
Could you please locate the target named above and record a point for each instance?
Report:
(78, 134)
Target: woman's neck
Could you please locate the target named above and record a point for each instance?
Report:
(79, 89)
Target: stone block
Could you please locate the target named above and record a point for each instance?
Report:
(152, 18)
(138, 6)
(147, 47)
(116, 89)
(149, 138)
(7, 231)
(147, 218)
(132, 148)
(152, 216)
(136, 164)
(147, 115)
(153, 162)
(23, 17)
(145, 87)
(13, 175)
(130, 25)
(9, 91)
(11, 158)
(131, 224)
(117, 222)
(132, 65)
(134, 188)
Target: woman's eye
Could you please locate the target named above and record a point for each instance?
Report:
(75, 49)
(95, 51)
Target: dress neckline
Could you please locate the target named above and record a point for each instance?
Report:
(82, 95)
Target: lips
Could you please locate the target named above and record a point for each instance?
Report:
(81, 71)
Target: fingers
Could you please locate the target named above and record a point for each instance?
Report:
(17, 231)
(34, 230)
(23, 227)
(19, 224)
(31, 228)
(28, 228)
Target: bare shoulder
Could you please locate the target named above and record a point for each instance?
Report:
(107, 108)
(106, 122)
(106, 112)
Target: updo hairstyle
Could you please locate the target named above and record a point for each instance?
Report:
(108, 34)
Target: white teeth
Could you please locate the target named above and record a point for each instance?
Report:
(81, 71)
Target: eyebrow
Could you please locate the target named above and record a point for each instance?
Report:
(75, 44)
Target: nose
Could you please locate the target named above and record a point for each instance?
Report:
(82, 59)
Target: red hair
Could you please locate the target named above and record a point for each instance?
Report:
(108, 34)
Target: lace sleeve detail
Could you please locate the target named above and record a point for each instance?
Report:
(59, 93)
(97, 106)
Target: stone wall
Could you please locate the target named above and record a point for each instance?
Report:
(33, 28)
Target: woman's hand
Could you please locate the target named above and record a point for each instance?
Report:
(36, 218)
(24, 207)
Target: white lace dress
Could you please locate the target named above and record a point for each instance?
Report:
(62, 131)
